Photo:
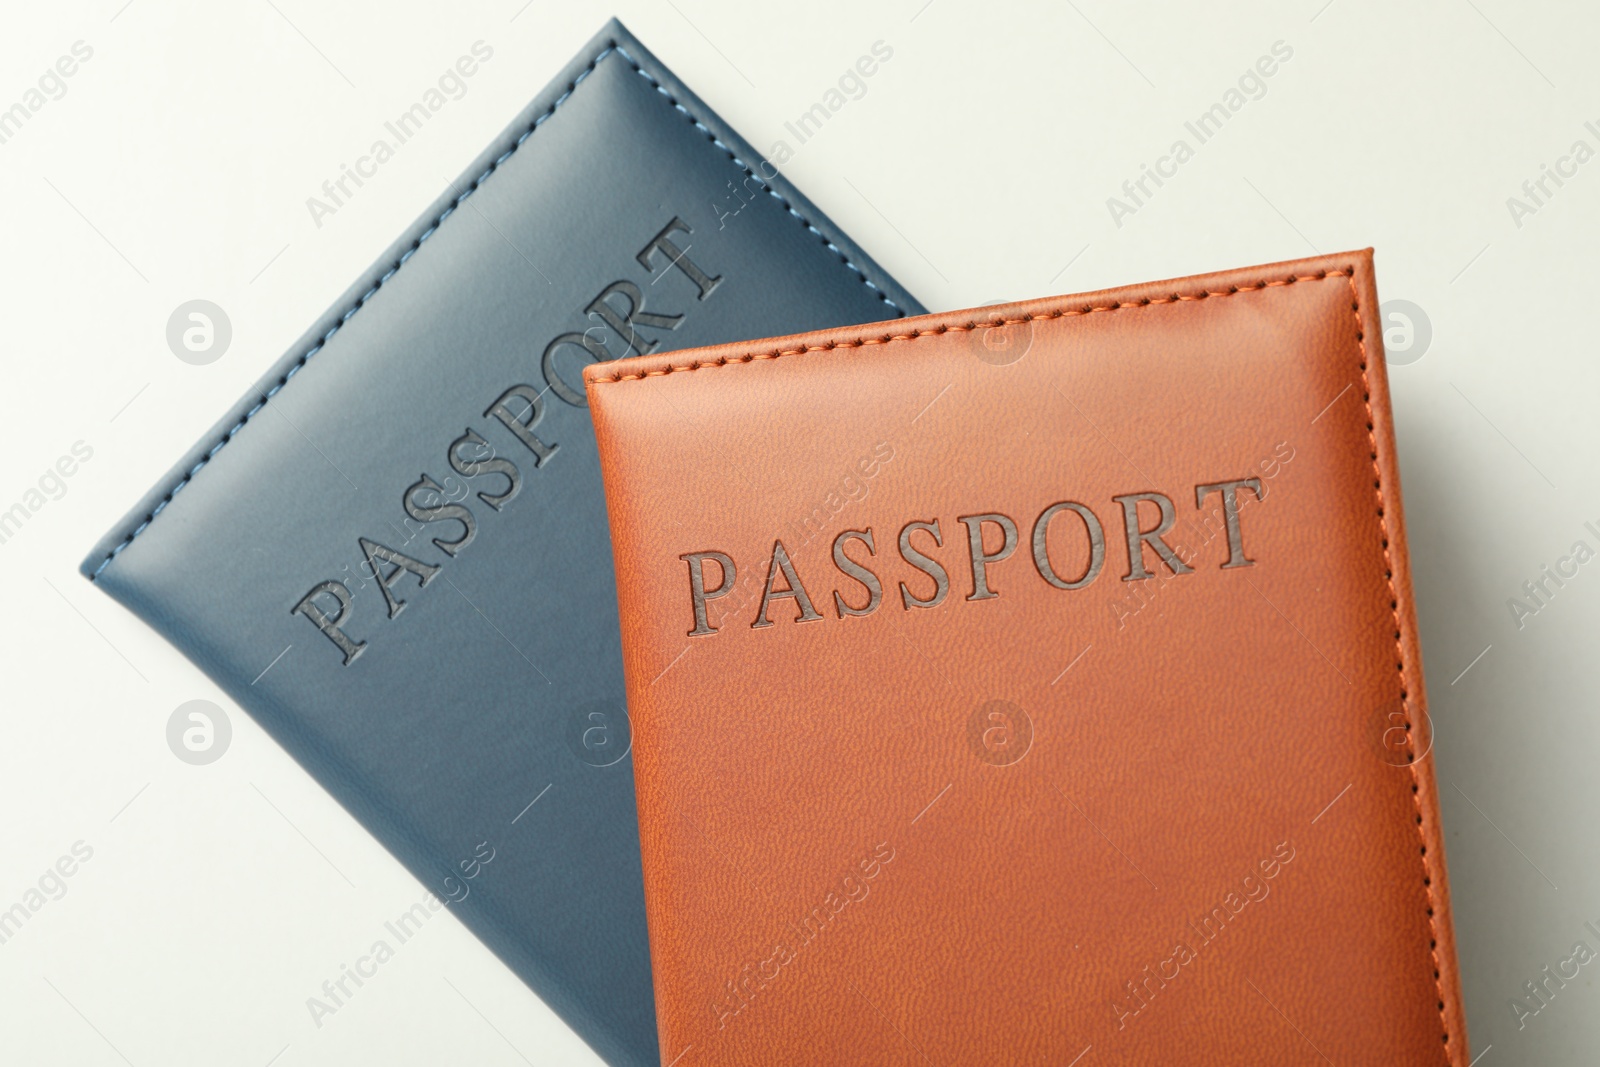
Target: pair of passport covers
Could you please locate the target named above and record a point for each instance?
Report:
(1036, 684)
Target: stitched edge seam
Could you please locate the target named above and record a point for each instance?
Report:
(1405, 703)
(433, 227)
(1383, 522)
(835, 249)
(1088, 309)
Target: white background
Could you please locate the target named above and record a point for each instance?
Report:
(977, 167)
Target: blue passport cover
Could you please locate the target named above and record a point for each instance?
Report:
(393, 551)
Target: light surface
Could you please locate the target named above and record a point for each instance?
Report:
(976, 167)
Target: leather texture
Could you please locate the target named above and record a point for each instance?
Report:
(1186, 818)
(480, 733)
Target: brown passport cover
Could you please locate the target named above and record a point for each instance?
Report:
(1034, 807)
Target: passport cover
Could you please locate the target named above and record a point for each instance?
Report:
(393, 551)
(1034, 685)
